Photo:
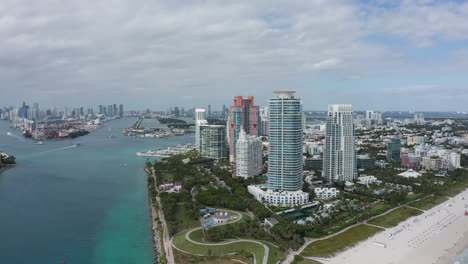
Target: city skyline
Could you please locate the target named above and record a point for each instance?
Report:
(155, 54)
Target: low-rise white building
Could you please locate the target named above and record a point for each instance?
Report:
(366, 180)
(281, 198)
(326, 192)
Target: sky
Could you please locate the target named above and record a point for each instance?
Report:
(380, 55)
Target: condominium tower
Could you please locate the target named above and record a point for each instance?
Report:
(248, 155)
(200, 119)
(243, 114)
(339, 156)
(285, 177)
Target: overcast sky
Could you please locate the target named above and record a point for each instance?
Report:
(382, 55)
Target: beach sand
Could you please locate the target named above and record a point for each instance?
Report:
(436, 236)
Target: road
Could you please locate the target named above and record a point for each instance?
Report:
(266, 249)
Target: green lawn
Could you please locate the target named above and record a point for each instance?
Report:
(395, 217)
(456, 188)
(181, 257)
(331, 246)
(379, 208)
(428, 202)
(217, 250)
(198, 236)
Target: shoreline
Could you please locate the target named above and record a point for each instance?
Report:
(7, 167)
(460, 246)
(437, 236)
(154, 226)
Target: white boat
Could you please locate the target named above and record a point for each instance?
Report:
(40, 143)
(165, 153)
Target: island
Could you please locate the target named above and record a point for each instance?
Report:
(175, 127)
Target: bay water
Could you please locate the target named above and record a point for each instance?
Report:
(87, 204)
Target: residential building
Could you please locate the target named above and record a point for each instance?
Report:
(200, 119)
(433, 163)
(368, 179)
(244, 114)
(285, 177)
(249, 160)
(324, 193)
(212, 142)
(339, 157)
(455, 160)
(285, 150)
(394, 149)
(275, 198)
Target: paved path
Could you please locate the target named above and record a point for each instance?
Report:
(166, 239)
(266, 249)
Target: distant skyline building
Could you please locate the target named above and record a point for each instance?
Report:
(249, 158)
(265, 122)
(339, 156)
(285, 171)
(242, 114)
(121, 110)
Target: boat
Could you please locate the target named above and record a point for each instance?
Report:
(40, 143)
(165, 153)
(77, 144)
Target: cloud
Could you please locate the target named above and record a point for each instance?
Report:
(152, 52)
(424, 23)
(327, 64)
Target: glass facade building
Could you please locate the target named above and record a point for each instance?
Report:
(285, 151)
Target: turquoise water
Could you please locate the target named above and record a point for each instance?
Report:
(88, 204)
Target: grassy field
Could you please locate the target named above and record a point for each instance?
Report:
(393, 218)
(428, 202)
(180, 242)
(456, 189)
(331, 246)
(181, 257)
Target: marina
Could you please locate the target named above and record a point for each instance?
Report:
(170, 151)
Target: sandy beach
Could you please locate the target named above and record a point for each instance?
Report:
(436, 236)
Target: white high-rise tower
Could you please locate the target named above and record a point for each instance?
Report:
(339, 156)
(200, 119)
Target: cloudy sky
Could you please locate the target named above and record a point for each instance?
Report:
(383, 55)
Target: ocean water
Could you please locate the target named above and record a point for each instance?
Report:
(462, 259)
(87, 204)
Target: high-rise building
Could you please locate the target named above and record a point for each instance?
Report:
(285, 177)
(394, 149)
(109, 112)
(339, 156)
(249, 160)
(121, 110)
(265, 122)
(285, 152)
(200, 119)
(374, 117)
(244, 114)
(209, 111)
(176, 111)
(114, 110)
(213, 141)
(223, 112)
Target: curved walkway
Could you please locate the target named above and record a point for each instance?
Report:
(266, 249)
